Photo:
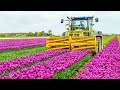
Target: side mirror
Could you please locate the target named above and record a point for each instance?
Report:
(62, 20)
(96, 19)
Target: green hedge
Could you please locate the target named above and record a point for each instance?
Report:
(65, 74)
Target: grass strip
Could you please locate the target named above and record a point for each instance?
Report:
(65, 74)
(106, 40)
(118, 38)
(15, 53)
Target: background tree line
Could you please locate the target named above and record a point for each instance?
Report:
(38, 34)
(42, 33)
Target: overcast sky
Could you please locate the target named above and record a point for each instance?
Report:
(31, 21)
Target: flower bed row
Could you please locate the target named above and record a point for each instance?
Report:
(27, 60)
(46, 70)
(66, 74)
(11, 44)
(105, 64)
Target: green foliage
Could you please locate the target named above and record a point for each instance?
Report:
(65, 74)
(36, 34)
(51, 35)
(107, 39)
(30, 34)
(40, 33)
(2, 35)
(50, 32)
(14, 53)
(118, 38)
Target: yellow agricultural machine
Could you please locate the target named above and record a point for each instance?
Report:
(79, 35)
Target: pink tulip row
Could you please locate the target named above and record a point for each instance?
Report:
(27, 60)
(46, 70)
(21, 43)
(105, 64)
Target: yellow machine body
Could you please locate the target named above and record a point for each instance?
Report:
(78, 32)
(58, 42)
(73, 43)
(76, 39)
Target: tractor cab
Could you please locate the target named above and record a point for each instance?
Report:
(84, 23)
(80, 26)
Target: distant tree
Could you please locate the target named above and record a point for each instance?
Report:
(30, 34)
(43, 33)
(40, 33)
(2, 35)
(49, 32)
(46, 34)
(36, 33)
(63, 34)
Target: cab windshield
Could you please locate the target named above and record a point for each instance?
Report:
(82, 24)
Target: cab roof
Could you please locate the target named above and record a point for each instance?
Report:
(82, 18)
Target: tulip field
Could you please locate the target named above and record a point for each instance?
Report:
(105, 64)
(29, 59)
(11, 44)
